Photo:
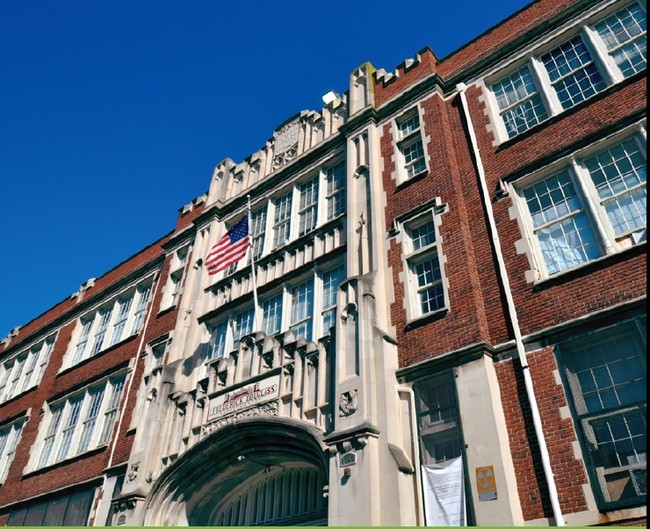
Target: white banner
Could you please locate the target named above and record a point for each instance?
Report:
(444, 493)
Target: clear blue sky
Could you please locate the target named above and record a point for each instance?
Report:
(113, 113)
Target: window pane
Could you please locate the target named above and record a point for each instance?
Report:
(608, 384)
(335, 178)
(281, 220)
(272, 310)
(519, 101)
(562, 228)
(302, 303)
(308, 206)
(438, 420)
(216, 347)
(258, 230)
(331, 281)
(624, 34)
(573, 73)
(619, 174)
(243, 325)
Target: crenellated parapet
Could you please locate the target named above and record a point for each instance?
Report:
(299, 134)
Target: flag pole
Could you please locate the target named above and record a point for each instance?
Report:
(250, 237)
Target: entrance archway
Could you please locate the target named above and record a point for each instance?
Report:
(262, 471)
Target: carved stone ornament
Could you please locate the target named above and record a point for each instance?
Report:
(286, 137)
(348, 403)
(133, 471)
(269, 409)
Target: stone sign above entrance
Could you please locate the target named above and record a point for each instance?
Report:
(244, 397)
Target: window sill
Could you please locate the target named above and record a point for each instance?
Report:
(73, 459)
(101, 353)
(403, 184)
(427, 318)
(587, 268)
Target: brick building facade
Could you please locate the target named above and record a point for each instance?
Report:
(449, 285)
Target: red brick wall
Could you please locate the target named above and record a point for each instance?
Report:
(55, 384)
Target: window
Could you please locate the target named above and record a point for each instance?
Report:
(24, 370)
(81, 422)
(175, 281)
(111, 324)
(424, 272)
(410, 146)
(243, 325)
(9, 437)
(272, 315)
(593, 206)
(282, 220)
(624, 35)
(61, 510)
(258, 231)
(331, 280)
(335, 197)
(216, 346)
(606, 374)
(308, 208)
(577, 69)
(438, 419)
(302, 303)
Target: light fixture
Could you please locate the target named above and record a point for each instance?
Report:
(330, 97)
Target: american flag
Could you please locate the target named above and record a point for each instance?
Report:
(230, 248)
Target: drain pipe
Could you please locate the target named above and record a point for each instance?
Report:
(512, 312)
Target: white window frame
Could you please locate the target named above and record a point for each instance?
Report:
(24, 370)
(412, 256)
(9, 438)
(95, 330)
(605, 64)
(601, 228)
(61, 430)
(408, 132)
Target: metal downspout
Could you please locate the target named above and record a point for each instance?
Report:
(512, 312)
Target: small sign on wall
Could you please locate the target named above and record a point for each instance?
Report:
(348, 459)
(486, 485)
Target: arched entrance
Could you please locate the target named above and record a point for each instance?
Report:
(262, 471)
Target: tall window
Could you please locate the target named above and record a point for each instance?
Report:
(624, 35)
(606, 374)
(425, 280)
(308, 193)
(331, 280)
(282, 220)
(302, 302)
(216, 347)
(272, 315)
(9, 437)
(243, 325)
(335, 197)
(114, 322)
(258, 231)
(81, 422)
(410, 145)
(122, 317)
(438, 419)
(520, 103)
(606, 189)
(23, 371)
